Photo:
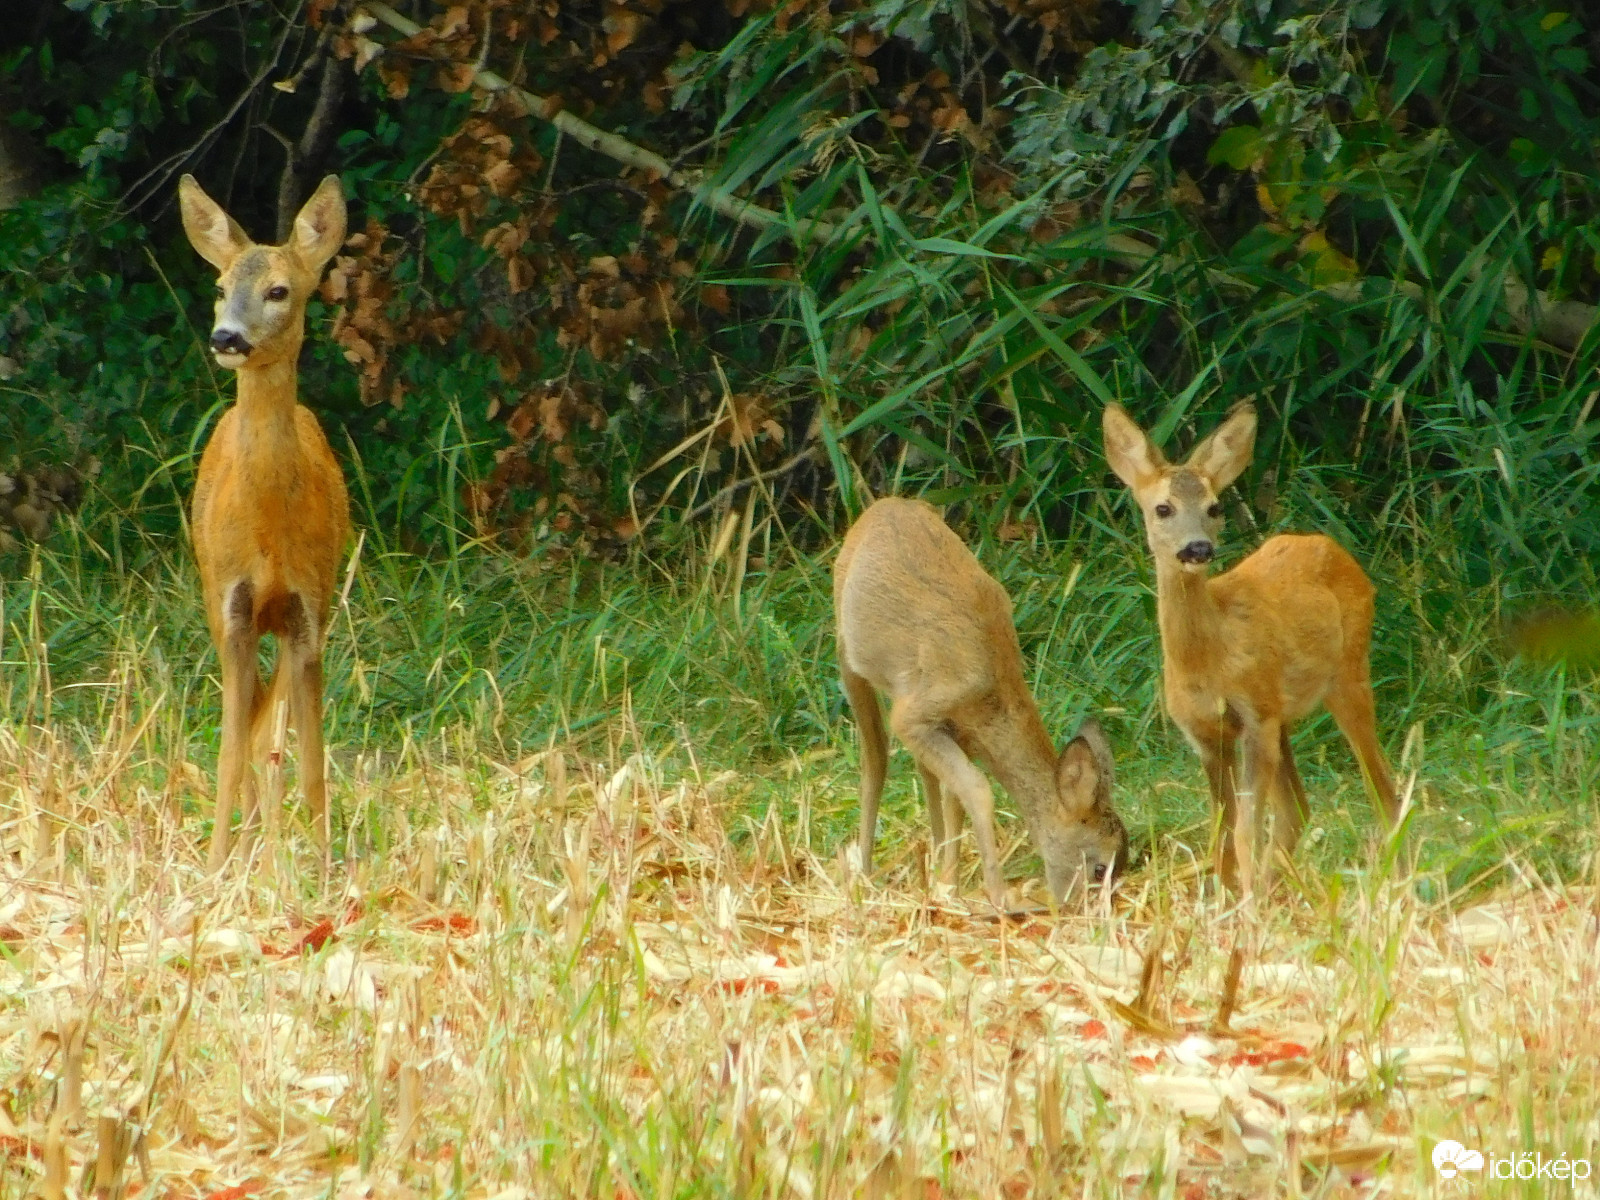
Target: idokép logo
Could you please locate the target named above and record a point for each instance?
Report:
(1451, 1158)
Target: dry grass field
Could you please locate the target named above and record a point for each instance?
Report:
(607, 370)
(592, 979)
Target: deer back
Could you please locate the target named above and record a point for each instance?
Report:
(916, 609)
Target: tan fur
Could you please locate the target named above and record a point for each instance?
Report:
(922, 622)
(1253, 650)
(270, 519)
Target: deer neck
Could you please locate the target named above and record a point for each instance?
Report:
(267, 398)
(1188, 616)
(1017, 749)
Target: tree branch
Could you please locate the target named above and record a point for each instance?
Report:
(1563, 324)
(619, 149)
(304, 159)
(158, 178)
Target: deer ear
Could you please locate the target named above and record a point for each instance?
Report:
(212, 232)
(1084, 770)
(319, 227)
(1099, 745)
(1129, 452)
(1224, 455)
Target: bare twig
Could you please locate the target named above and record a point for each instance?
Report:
(1230, 991)
(158, 178)
(738, 485)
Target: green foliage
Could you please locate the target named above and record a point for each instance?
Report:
(1332, 212)
(1175, 205)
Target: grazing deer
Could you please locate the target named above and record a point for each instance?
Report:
(922, 622)
(1247, 653)
(270, 518)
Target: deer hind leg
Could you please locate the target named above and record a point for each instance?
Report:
(944, 819)
(1292, 807)
(874, 741)
(1221, 777)
(241, 689)
(301, 664)
(937, 752)
(1350, 702)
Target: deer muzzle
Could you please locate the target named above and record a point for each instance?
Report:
(230, 341)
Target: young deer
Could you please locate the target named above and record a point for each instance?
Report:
(270, 518)
(1249, 652)
(922, 622)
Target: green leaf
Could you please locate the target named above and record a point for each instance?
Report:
(1408, 237)
(1086, 375)
(1571, 58)
(1239, 147)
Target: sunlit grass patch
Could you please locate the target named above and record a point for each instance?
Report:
(592, 928)
(602, 978)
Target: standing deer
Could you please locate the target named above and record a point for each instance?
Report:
(922, 622)
(1247, 653)
(270, 518)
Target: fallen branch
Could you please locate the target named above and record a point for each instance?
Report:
(1562, 323)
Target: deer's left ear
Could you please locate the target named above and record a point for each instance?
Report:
(1224, 455)
(1084, 771)
(319, 227)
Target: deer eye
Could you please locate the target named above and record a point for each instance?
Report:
(1214, 511)
(278, 293)
(1163, 510)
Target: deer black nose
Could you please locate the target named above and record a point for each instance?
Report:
(1197, 551)
(229, 341)
(1099, 872)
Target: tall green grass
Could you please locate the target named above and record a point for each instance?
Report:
(677, 653)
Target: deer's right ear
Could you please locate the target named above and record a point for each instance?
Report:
(1129, 452)
(211, 231)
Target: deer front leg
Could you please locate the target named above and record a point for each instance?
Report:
(1263, 767)
(937, 752)
(944, 820)
(302, 662)
(240, 683)
(1217, 757)
(874, 751)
